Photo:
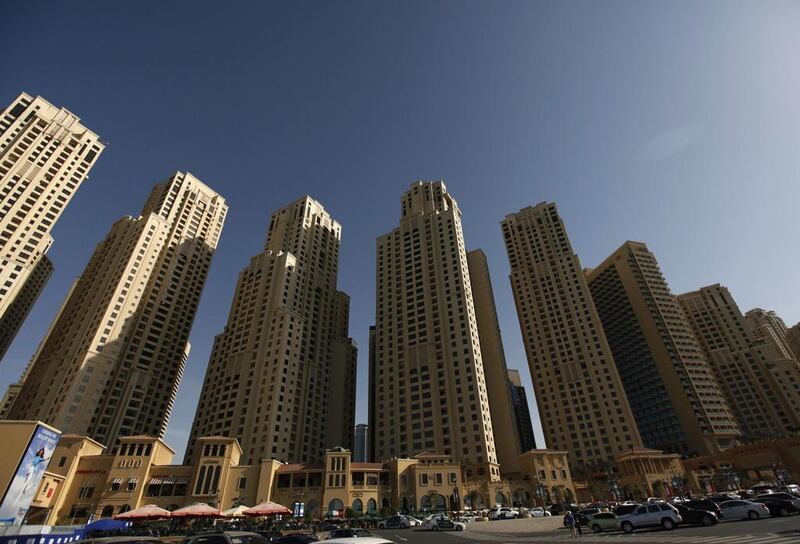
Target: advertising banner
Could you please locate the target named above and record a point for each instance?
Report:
(29, 474)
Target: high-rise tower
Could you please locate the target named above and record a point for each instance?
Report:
(521, 411)
(285, 348)
(579, 393)
(428, 372)
(761, 385)
(677, 402)
(498, 388)
(45, 155)
(113, 358)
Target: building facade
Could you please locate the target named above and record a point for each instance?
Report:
(85, 479)
(428, 373)
(285, 347)
(45, 155)
(578, 389)
(112, 360)
(522, 413)
(793, 340)
(768, 326)
(361, 443)
(750, 370)
(26, 297)
(678, 405)
(501, 401)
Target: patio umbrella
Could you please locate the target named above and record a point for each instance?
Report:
(235, 512)
(196, 510)
(268, 508)
(151, 511)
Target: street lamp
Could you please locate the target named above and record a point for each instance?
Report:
(541, 490)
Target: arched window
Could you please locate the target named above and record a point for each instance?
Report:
(358, 506)
(425, 503)
(209, 477)
(336, 507)
(215, 483)
(199, 486)
(440, 504)
(311, 508)
(500, 499)
(372, 505)
(107, 512)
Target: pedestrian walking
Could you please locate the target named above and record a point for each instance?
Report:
(569, 521)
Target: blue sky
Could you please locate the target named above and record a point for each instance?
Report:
(672, 123)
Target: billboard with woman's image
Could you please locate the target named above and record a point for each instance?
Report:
(21, 491)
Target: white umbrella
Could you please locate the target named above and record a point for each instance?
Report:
(235, 512)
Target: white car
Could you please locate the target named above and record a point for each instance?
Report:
(650, 515)
(443, 523)
(414, 521)
(359, 540)
(395, 522)
(742, 509)
(539, 513)
(503, 512)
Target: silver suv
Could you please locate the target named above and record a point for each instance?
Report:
(650, 515)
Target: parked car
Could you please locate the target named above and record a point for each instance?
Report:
(503, 512)
(349, 533)
(227, 537)
(625, 508)
(761, 489)
(539, 512)
(742, 509)
(779, 507)
(650, 515)
(395, 522)
(296, 539)
(704, 504)
(696, 516)
(124, 540)
(791, 488)
(603, 521)
(360, 540)
(443, 523)
(781, 495)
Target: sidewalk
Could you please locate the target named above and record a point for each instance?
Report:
(516, 526)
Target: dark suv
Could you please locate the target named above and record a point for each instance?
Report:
(704, 504)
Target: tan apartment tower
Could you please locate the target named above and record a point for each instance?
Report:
(678, 405)
(768, 326)
(498, 387)
(793, 340)
(430, 388)
(112, 360)
(581, 401)
(284, 348)
(45, 155)
(750, 370)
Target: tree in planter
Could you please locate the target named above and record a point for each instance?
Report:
(349, 513)
(568, 495)
(658, 488)
(558, 492)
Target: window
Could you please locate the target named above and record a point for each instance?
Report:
(423, 479)
(439, 479)
(653, 508)
(242, 483)
(62, 461)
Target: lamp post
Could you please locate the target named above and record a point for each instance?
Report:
(541, 490)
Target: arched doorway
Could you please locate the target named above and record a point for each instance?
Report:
(311, 508)
(439, 503)
(500, 499)
(336, 508)
(425, 503)
(107, 512)
(372, 506)
(358, 506)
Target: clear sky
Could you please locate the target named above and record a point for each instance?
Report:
(672, 123)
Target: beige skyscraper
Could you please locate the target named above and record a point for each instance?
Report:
(285, 348)
(581, 401)
(750, 370)
(498, 387)
(113, 358)
(768, 326)
(793, 340)
(428, 374)
(18, 310)
(677, 402)
(45, 155)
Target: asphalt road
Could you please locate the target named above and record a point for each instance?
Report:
(763, 531)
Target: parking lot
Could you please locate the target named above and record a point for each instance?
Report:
(764, 531)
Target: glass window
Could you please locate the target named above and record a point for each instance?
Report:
(653, 508)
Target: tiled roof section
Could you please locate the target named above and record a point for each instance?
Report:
(294, 467)
(366, 466)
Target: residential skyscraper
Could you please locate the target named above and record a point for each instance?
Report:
(18, 310)
(113, 358)
(498, 388)
(361, 443)
(768, 326)
(793, 340)
(428, 372)
(521, 411)
(750, 370)
(45, 155)
(372, 397)
(579, 393)
(285, 348)
(676, 400)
